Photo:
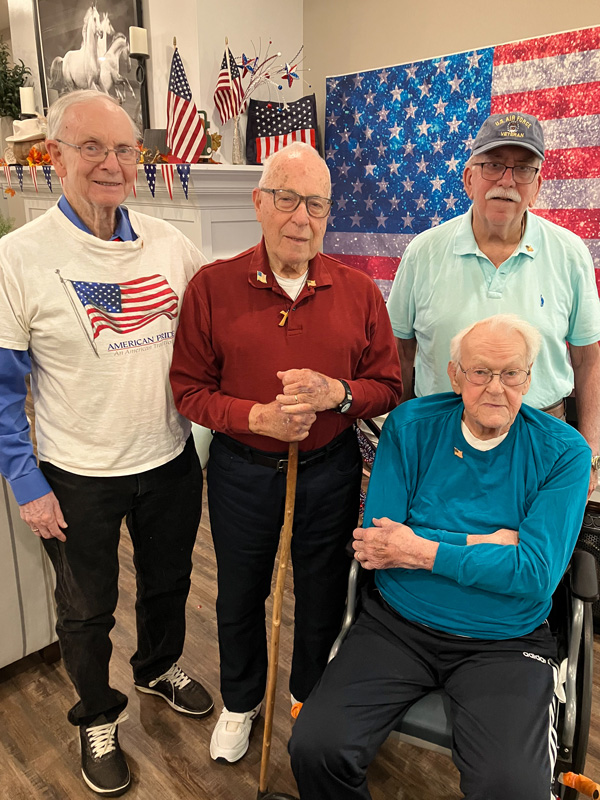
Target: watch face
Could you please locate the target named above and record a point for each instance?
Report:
(345, 406)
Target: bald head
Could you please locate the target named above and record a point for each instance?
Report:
(289, 159)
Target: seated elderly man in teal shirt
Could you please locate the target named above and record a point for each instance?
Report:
(502, 257)
(473, 511)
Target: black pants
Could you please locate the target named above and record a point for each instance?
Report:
(501, 695)
(162, 508)
(246, 504)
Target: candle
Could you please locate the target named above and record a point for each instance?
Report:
(27, 100)
(138, 41)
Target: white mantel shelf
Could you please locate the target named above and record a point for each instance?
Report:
(218, 215)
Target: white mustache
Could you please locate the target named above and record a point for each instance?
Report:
(498, 193)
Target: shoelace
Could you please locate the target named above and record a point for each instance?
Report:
(175, 675)
(102, 737)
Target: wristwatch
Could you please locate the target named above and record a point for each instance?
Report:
(347, 401)
(596, 462)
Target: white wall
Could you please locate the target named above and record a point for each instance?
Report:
(201, 28)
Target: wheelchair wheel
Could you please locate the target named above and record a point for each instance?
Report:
(584, 701)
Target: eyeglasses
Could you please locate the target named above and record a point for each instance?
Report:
(509, 377)
(493, 171)
(96, 153)
(286, 200)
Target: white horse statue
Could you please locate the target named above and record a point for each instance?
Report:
(111, 80)
(80, 69)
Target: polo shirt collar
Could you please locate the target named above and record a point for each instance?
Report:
(260, 274)
(465, 244)
(123, 228)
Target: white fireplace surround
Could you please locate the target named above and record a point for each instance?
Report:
(218, 215)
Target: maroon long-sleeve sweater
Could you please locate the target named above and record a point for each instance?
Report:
(230, 345)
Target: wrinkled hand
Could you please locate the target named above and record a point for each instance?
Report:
(302, 386)
(501, 536)
(270, 420)
(391, 544)
(45, 517)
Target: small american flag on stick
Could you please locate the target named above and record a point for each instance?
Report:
(229, 94)
(126, 307)
(186, 135)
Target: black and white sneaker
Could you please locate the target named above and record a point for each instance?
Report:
(103, 764)
(181, 692)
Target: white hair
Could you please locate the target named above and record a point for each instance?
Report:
(57, 110)
(501, 323)
(295, 150)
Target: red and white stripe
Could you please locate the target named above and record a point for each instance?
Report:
(143, 300)
(556, 78)
(229, 92)
(7, 175)
(167, 173)
(267, 145)
(186, 135)
(33, 173)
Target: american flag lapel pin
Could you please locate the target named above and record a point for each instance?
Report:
(311, 283)
(458, 452)
(260, 276)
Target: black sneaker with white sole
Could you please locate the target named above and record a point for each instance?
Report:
(181, 692)
(103, 763)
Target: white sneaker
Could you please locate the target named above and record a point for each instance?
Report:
(230, 738)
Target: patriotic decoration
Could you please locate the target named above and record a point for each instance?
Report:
(184, 177)
(186, 134)
(272, 126)
(150, 170)
(229, 94)
(167, 173)
(7, 175)
(126, 307)
(289, 75)
(19, 171)
(33, 173)
(47, 170)
(397, 140)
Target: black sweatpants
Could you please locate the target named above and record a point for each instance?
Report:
(246, 503)
(501, 695)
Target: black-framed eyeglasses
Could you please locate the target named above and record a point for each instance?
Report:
(480, 376)
(96, 153)
(494, 171)
(287, 200)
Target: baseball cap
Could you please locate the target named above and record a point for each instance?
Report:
(515, 127)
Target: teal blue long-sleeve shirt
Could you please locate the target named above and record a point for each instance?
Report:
(427, 476)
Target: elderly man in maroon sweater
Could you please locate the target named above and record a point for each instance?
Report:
(281, 344)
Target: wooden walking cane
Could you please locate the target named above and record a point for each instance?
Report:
(284, 556)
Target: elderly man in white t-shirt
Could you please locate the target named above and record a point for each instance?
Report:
(89, 301)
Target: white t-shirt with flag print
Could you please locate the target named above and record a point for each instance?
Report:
(99, 319)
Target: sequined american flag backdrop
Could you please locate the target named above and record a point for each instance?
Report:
(397, 139)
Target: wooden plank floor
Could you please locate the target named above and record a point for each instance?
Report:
(168, 753)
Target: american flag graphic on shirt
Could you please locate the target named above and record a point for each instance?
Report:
(126, 307)
(397, 139)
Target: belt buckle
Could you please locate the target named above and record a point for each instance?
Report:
(282, 465)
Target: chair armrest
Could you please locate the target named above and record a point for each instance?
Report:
(350, 612)
(583, 578)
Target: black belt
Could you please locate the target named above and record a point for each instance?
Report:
(558, 403)
(308, 459)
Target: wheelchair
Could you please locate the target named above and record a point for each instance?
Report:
(428, 722)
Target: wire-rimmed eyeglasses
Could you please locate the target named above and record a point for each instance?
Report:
(494, 171)
(96, 153)
(481, 376)
(287, 200)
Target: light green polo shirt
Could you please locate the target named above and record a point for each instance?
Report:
(445, 283)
